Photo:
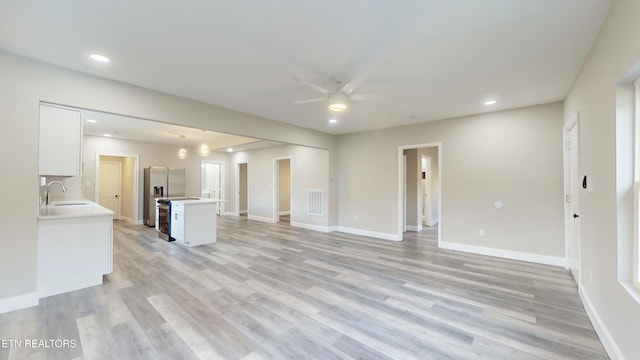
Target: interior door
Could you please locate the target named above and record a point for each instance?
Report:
(211, 181)
(109, 182)
(575, 183)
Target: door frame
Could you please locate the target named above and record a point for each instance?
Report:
(276, 186)
(237, 188)
(136, 181)
(223, 192)
(401, 186)
(573, 242)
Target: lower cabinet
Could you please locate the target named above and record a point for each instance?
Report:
(192, 223)
(73, 253)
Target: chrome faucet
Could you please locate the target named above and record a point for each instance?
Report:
(64, 189)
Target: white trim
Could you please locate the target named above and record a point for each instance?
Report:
(19, 302)
(373, 234)
(321, 228)
(400, 194)
(221, 206)
(284, 213)
(608, 341)
(434, 222)
(262, 219)
(506, 254)
(231, 213)
(414, 228)
(242, 212)
(569, 250)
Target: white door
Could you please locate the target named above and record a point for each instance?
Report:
(575, 183)
(211, 184)
(109, 182)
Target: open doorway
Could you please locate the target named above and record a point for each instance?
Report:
(419, 174)
(282, 190)
(117, 185)
(242, 196)
(212, 182)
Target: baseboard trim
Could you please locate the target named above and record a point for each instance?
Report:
(19, 302)
(321, 228)
(373, 234)
(242, 212)
(261, 218)
(414, 228)
(605, 336)
(507, 254)
(434, 222)
(284, 213)
(230, 213)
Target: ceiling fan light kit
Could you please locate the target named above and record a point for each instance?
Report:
(337, 101)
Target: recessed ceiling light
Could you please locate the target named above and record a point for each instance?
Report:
(99, 58)
(229, 149)
(91, 120)
(490, 102)
(106, 135)
(333, 121)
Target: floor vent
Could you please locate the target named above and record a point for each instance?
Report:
(314, 203)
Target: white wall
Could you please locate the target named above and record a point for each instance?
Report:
(309, 170)
(150, 155)
(513, 156)
(24, 83)
(615, 313)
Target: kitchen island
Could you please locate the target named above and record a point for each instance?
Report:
(193, 221)
(75, 246)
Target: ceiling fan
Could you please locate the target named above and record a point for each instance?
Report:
(337, 99)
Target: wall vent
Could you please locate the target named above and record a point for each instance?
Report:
(315, 202)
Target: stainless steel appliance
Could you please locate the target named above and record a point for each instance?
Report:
(164, 218)
(160, 182)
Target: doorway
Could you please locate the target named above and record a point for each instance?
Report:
(419, 200)
(572, 201)
(212, 182)
(242, 198)
(282, 190)
(116, 185)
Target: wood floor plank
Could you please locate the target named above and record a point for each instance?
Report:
(272, 291)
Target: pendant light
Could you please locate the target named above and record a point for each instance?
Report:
(204, 150)
(182, 152)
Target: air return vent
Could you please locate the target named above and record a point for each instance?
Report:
(315, 202)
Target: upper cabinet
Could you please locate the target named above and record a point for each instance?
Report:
(60, 150)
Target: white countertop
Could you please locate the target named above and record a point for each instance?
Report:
(72, 209)
(195, 200)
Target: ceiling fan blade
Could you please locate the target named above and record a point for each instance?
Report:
(309, 100)
(312, 85)
(365, 97)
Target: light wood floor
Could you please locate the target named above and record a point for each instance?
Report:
(270, 291)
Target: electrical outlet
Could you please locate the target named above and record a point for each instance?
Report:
(481, 232)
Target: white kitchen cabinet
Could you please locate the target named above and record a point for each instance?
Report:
(73, 252)
(193, 222)
(60, 141)
(177, 222)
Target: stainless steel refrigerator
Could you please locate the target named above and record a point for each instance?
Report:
(160, 182)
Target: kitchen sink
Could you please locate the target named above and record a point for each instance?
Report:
(71, 203)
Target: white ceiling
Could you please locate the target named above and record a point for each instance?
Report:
(425, 59)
